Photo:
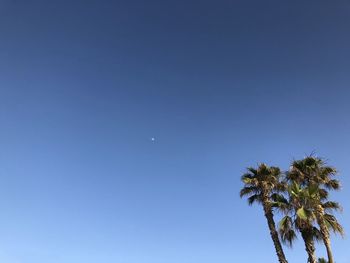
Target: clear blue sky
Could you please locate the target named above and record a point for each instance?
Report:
(221, 85)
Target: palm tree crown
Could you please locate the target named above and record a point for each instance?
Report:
(260, 183)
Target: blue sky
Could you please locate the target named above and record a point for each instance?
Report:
(220, 85)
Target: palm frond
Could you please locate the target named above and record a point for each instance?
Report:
(280, 202)
(333, 224)
(253, 199)
(332, 184)
(248, 190)
(286, 231)
(331, 206)
(316, 234)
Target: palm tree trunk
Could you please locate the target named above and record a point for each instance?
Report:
(327, 243)
(324, 233)
(326, 240)
(274, 235)
(309, 245)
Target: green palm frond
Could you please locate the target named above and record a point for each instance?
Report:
(305, 214)
(280, 202)
(286, 230)
(294, 189)
(333, 224)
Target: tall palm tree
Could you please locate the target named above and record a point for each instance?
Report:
(315, 174)
(297, 218)
(301, 213)
(259, 185)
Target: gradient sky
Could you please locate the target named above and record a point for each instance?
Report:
(221, 85)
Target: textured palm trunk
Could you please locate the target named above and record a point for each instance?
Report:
(309, 245)
(324, 233)
(274, 234)
(327, 243)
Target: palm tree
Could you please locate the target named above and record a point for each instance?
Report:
(297, 218)
(259, 185)
(301, 213)
(313, 173)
